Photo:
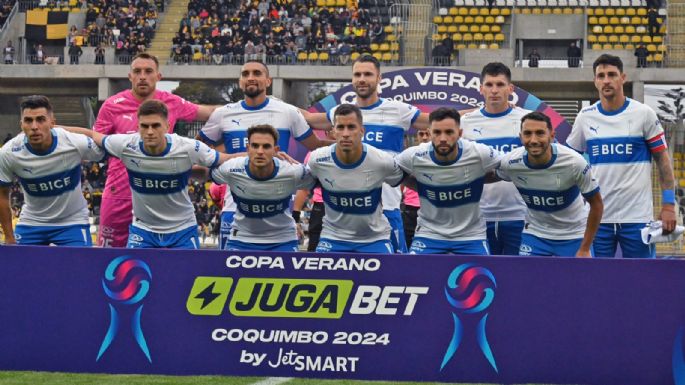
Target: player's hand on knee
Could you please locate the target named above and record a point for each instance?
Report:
(583, 253)
(284, 156)
(668, 220)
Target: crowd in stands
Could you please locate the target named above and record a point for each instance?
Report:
(275, 31)
(5, 10)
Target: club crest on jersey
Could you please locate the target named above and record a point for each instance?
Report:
(525, 249)
(324, 246)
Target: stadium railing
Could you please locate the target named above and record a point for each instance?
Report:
(13, 12)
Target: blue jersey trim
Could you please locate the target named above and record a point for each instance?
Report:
(255, 108)
(591, 193)
(541, 166)
(251, 175)
(104, 147)
(371, 107)
(166, 149)
(38, 153)
(304, 136)
(416, 116)
(206, 139)
(216, 159)
(348, 166)
(614, 112)
(435, 160)
(329, 116)
(498, 115)
(5, 184)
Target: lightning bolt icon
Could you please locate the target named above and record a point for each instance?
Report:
(207, 295)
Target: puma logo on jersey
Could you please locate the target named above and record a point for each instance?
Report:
(27, 169)
(127, 117)
(237, 122)
(136, 162)
(593, 129)
(329, 181)
(478, 130)
(240, 188)
(522, 179)
(428, 176)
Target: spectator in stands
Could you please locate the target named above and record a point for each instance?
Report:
(641, 53)
(534, 58)
(344, 52)
(653, 22)
(8, 53)
(100, 54)
(75, 53)
(573, 54)
(440, 55)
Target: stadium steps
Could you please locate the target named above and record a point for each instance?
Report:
(167, 28)
(69, 111)
(566, 108)
(415, 32)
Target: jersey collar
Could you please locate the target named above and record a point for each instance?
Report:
(498, 115)
(166, 150)
(546, 165)
(49, 151)
(371, 107)
(273, 174)
(255, 108)
(460, 151)
(344, 165)
(614, 112)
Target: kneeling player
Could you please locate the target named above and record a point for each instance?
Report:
(551, 179)
(450, 173)
(262, 187)
(159, 166)
(47, 161)
(351, 174)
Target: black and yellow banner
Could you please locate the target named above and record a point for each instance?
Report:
(45, 25)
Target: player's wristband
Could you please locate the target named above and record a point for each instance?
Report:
(296, 216)
(668, 197)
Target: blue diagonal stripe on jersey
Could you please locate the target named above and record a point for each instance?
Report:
(157, 184)
(261, 208)
(384, 137)
(452, 196)
(549, 200)
(359, 203)
(53, 184)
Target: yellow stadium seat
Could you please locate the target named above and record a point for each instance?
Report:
(635, 20)
(340, 3)
(536, 11)
(463, 11)
(389, 29)
(591, 38)
(607, 46)
(313, 56)
(592, 20)
(384, 47)
(472, 46)
(525, 11)
(630, 12)
(330, 3)
(635, 39)
(493, 46)
(302, 56)
(454, 11)
(323, 56)
(479, 20)
(437, 19)
(448, 20)
(630, 46)
(618, 46)
(320, 3)
(391, 38)
(442, 28)
(395, 46)
(613, 39)
(546, 11)
(661, 48)
(641, 12)
(463, 28)
(489, 37)
(577, 11)
(505, 12)
(452, 29)
(657, 39)
(495, 29)
(458, 19)
(473, 11)
(377, 55)
(354, 56)
(474, 28)
(457, 37)
(590, 12)
(603, 20)
(609, 11)
(644, 20)
(461, 46)
(483, 11)
(602, 39)
(478, 36)
(490, 20)
(467, 37)
(485, 28)
(386, 57)
(567, 11)
(436, 36)
(624, 39)
(374, 47)
(608, 29)
(396, 56)
(651, 47)
(620, 12)
(630, 29)
(75, 10)
(650, 59)
(494, 12)
(614, 20)
(499, 37)
(646, 39)
(468, 19)
(619, 29)
(596, 46)
(662, 30)
(599, 11)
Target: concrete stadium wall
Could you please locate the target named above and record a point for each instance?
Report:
(554, 27)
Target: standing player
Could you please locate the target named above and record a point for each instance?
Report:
(450, 174)
(47, 161)
(118, 116)
(385, 122)
(498, 125)
(228, 125)
(159, 165)
(351, 175)
(262, 187)
(410, 198)
(621, 135)
(551, 179)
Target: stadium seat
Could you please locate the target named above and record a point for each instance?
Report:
(395, 46)
(442, 28)
(661, 48)
(479, 37)
(499, 37)
(483, 11)
(567, 11)
(608, 29)
(536, 11)
(488, 37)
(490, 20)
(495, 12)
(651, 48)
(620, 12)
(607, 46)
(592, 38)
(619, 29)
(630, 29)
(448, 20)
(623, 39)
(353, 57)
(438, 19)
(618, 46)
(640, 29)
(391, 38)
(599, 12)
(374, 47)
(467, 37)
(384, 47)
(499, 19)
(312, 56)
(630, 46)
(646, 39)
(641, 12)
(472, 46)
(495, 29)
(474, 28)
(630, 12)
(452, 29)
(597, 29)
(463, 11)
(546, 11)
(479, 20)
(613, 39)
(468, 19)
(387, 56)
(635, 39)
(596, 46)
(453, 11)
(609, 12)
(614, 20)
(505, 12)
(457, 37)
(463, 28)
(473, 11)
(377, 55)
(657, 39)
(323, 57)
(577, 11)
(493, 46)
(302, 56)
(602, 39)
(592, 20)
(461, 46)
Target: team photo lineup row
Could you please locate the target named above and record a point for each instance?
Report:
(492, 181)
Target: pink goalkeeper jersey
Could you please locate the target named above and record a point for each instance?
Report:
(118, 115)
(411, 197)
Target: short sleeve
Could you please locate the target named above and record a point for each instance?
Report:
(86, 147)
(585, 178)
(221, 174)
(104, 123)
(306, 181)
(115, 144)
(653, 132)
(490, 157)
(408, 115)
(6, 174)
(211, 132)
(394, 173)
(201, 153)
(576, 139)
(298, 125)
(330, 113)
(404, 160)
(311, 163)
(502, 170)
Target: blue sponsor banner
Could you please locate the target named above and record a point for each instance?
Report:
(390, 317)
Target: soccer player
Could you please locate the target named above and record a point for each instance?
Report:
(551, 179)
(498, 125)
(385, 122)
(229, 123)
(351, 174)
(410, 198)
(118, 116)
(47, 161)
(262, 188)
(450, 173)
(159, 165)
(621, 136)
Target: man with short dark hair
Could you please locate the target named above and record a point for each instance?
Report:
(47, 161)
(621, 136)
(551, 179)
(351, 174)
(262, 187)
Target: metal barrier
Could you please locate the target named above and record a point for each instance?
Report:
(414, 31)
